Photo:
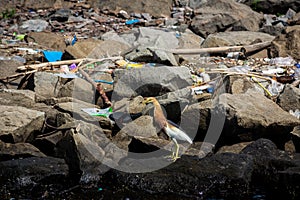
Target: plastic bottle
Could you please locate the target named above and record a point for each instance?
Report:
(297, 71)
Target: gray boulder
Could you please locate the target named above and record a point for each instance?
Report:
(289, 99)
(36, 25)
(95, 151)
(149, 41)
(29, 173)
(272, 6)
(8, 67)
(141, 127)
(236, 148)
(12, 97)
(50, 40)
(77, 88)
(19, 150)
(75, 110)
(251, 115)
(220, 15)
(18, 124)
(205, 178)
(150, 81)
(287, 44)
(93, 48)
(46, 85)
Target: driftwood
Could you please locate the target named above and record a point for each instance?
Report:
(65, 62)
(51, 64)
(240, 74)
(17, 75)
(246, 48)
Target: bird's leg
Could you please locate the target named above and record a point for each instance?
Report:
(175, 157)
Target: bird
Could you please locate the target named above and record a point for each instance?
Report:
(168, 127)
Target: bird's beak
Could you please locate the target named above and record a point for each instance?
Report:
(146, 101)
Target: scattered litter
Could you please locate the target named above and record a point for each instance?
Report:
(273, 71)
(275, 88)
(28, 50)
(67, 75)
(18, 37)
(70, 40)
(199, 89)
(240, 69)
(98, 112)
(53, 56)
(263, 87)
(282, 61)
(73, 68)
(295, 113)
(129, 64)
(297, 71)
(64, 69)
(234, 55)
(132, 21)
(104, 81)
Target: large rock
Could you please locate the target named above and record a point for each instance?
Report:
(46, 85)
(289, 99)
(150, 81)
(81, 49)
(189, 40)
(49, 40)
(287, 44)
(148, 42)
(25, 98)
(49, 85)
(18, 124)
(251, 116)
(36, 25)
(75, 110)
(108, 48)
(197, 117)
(235, 38)
(265, 152)
(93, 48)
(236, 148)
(220, 15)
(8, 67)
(204, 178)
(141, 127)
(273, 6)
(156, 8)
(270, 164)
(31, 174)
(288, 181)
(19, 150)
(94, 151)
(78, 88)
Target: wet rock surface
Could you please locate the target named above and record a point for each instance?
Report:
(78, 127)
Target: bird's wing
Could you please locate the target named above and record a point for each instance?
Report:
(174, 131)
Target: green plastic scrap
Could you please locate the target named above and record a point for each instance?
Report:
(98, 112)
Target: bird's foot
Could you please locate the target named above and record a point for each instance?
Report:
(172, 157)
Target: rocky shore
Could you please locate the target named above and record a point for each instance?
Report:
(74, 75)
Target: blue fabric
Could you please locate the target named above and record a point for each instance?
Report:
(53, 56)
